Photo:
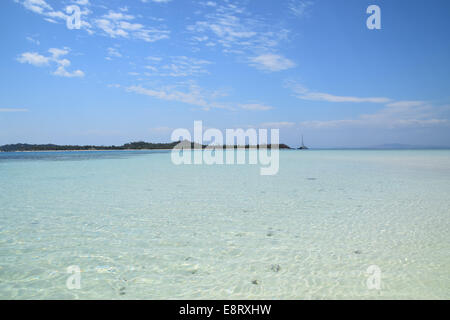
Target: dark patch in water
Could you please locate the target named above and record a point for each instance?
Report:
(357, 252)
(275, 267)
(255, 282)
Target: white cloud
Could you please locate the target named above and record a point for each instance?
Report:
(32, 40)
(113, 52)
(51, 15)
(56, 53)
(238, 32)
(393, 115)
(82, 2)
(226, 25)
(62, 72)
(152, 68)
(113, 24)
(183, 66)
(110, 28)
(305, 94)
(34, 59)
(177, 66)
(406, 104)
(364, 123)
(153, 58)
(39, 60)
(57, 15)
(192, 95)
(116, 24)
(282, 124)
(43, 8)
(299, 7)
(13, 110)
(320, 96)
(255, 107)
(118, 16)
(37, 6)
(50, 20)
(408, 113)
(156, 1)
(271, 62)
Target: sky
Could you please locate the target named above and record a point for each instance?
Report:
(138, 69)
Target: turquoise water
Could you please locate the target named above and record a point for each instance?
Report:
(140, 227)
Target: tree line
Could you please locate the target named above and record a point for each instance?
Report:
(140, 145)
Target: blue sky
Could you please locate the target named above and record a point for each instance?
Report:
(138, 69)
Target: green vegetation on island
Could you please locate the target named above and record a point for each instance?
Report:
(141, 145)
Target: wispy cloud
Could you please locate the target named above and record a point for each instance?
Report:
(255, 107)
(13, 110)
(39, 60)
(82, 2)
(303, 93)
(189, 93)
(209, 3)
(52, 15)
(192, 94)
(34, 59)
(177, 66)
(406, 104)
(393, 115)
(115, 24)
(406, 113)
(38, 6)
(236, 31)
(34, 41)
(271, 62)
(62, 72)
(299, 7)
(113, 52)
(277, 125)
(118, 25)
(156, 1)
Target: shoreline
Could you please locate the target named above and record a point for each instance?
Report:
(94, 150)
(106, 150)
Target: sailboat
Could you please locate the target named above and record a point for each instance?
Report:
(303, 147)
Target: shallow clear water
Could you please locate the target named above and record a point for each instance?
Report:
(140, 227)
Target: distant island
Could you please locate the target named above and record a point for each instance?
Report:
(141, 145)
